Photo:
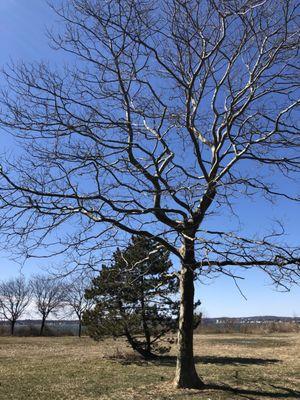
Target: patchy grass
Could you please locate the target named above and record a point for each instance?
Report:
(233, 366)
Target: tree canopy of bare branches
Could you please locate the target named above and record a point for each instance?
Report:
(49, 296)
(170, 110)
(75, 298)
(14, 299)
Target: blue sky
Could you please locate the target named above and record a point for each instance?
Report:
(22, 37)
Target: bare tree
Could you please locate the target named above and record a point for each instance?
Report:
(75, 298)
(14, 299)
(171, 111)
(49, 296)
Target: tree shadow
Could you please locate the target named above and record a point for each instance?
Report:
(252, 342)
(236, 360)
(170, 360)
(250, 394)
(286, 393)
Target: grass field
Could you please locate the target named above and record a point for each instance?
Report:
(233, 366)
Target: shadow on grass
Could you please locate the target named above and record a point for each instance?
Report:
(280, 392)
(169, 360)
(236, 360)
(250, 342)
(286, 393)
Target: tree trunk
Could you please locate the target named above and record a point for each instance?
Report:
(186, 375)
(12, 327)
(144, 322)
(79, 327)
(42, 326)
(147, 355)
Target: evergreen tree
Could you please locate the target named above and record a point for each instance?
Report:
(135, 298)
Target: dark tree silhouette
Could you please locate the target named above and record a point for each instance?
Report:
(135, 298)
(171, 111)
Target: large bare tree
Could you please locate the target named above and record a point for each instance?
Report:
(14, 299)
(169, 113)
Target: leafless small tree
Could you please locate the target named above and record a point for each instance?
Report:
(171, 112)
(75, 298)
(49, 296)
(14, 299)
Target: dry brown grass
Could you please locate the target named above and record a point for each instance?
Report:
(233, 366)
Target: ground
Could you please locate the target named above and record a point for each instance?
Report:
(233, 366)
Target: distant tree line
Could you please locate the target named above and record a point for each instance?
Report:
(133, 296)
(45, 294)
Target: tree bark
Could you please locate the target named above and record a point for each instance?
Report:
(79, 327)
(145, 326)
(147, 355)
(186, 375)
(42, 326)
(12, 327)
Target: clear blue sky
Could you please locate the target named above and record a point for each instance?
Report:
(22, 37)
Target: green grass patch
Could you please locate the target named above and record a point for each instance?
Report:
(233, 366)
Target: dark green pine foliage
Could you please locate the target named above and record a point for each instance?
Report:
(135, 298)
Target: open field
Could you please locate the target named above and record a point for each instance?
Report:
(233, 366)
